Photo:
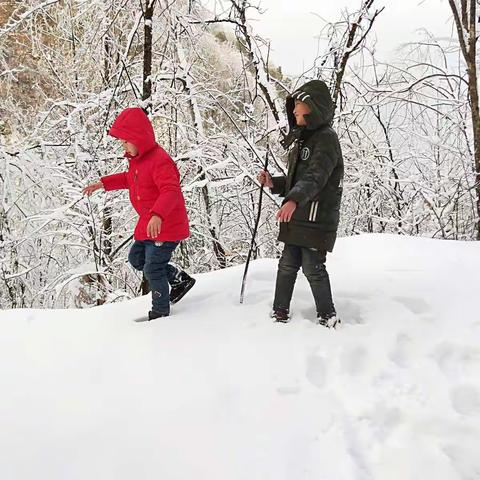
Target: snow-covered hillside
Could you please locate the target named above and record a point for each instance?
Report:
(219, 392)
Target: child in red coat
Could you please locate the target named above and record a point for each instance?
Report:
(153, 183)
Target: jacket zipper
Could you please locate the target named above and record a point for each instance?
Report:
(135, 190)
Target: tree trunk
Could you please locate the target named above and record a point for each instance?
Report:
(147, 54)
(465, 22)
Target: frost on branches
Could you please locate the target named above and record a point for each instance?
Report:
(216, 103)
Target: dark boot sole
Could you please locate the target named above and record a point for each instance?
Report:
(334, 326)
(146, 319)
(280, 320)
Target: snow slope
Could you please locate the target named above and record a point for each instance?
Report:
(219, 392)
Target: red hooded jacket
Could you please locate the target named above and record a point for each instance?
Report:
(152, 179)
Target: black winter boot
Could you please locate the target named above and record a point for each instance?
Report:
(178, 290)
(153, 315)
(281, 315)
(329, 321)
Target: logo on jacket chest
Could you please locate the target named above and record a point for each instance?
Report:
(304, 153)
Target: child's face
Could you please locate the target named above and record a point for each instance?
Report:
(301, 109)
(129, 148)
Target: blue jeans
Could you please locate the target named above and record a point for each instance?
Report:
(152, 258)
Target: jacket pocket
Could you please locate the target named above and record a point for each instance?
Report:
(307, 213)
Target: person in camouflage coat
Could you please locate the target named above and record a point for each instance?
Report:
(312, 192)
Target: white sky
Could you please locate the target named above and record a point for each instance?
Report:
(292, 25)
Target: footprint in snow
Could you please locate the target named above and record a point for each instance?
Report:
(350, 312)
(402, 351)
(354, 360)
(457, 361)
(417, 306)
(316, 371)
(466, 399)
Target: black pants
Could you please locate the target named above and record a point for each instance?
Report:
(312, 262)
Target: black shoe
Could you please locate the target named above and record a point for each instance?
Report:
(281, 315)
(330, 321)
(153, 315)
(179, 289)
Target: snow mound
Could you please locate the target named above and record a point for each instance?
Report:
(219, 392)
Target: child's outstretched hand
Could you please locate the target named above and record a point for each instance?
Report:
(91, 188)
(154, 226)
(286, 212)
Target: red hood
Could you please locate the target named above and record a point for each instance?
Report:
(134, 126)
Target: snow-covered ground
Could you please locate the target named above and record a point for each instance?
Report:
(219, 392)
